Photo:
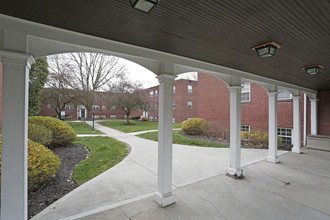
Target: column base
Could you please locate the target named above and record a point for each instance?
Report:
(164, 200)
(296, 150)
(235, 173)
(273, 159)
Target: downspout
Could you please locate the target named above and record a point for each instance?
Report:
(305, 118)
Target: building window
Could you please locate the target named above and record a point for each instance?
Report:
(96, 97)
(113, 108)
(156, 106)
(189, 104)
(189, 88)
(113, 116)
(173, 105)
(69, 106)
(173, 89)
(286, 134)
(96, 107)
(284, 95)
(245, 92)
(104, 97)
(156, 118)
(151, 106)
(245, 132)
(151, 94)
(173, 120)
(96, 117)
(49, 106)
(156, 93)
(151, 118)
(104, 107)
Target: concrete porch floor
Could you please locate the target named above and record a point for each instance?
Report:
(296, 188)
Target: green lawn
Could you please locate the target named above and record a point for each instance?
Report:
(179, 139)
(82, 128)
(139, 125)
(105, 152)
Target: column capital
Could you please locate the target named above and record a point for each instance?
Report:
(272, 94)
(235, 88)
(16, 58)
(164, 77)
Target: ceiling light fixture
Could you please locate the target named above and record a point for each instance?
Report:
(266, 49)
(312, 69)
(144, 5)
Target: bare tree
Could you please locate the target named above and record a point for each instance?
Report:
(127, 95)
(86, 74)
(57, 92)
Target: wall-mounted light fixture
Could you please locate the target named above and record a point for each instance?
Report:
(144, 5)
(312, 69)
(266, 49)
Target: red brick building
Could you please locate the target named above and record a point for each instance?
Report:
(208, 98)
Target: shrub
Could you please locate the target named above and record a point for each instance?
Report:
(40, 134)
(63, 134)
(194, 126)
(42, 164)
(279, 139)
(144, 119)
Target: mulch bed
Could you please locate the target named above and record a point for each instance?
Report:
(61, 184)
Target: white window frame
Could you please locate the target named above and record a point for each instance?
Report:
(104, 107)
(246, 128)
(283, 132)
(113, 116)
(189, 104)
(49, 106)
(173, 104)
(151, 106)
(173, 120)
(156, 106)
(189, 87)
(96, 107)
(69, 106)
(151, 94)
(113, 108)
(104, 97)
(151, 118)
(156, 93)
(246, 89)
(284, 98)
(174, 88)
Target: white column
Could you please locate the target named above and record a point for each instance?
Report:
(314, 116)
(164, 196)
(296, 125)
(14, 135)
(272, 128)
(235, 169)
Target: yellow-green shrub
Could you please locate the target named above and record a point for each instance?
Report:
(63, 134)
(42, 164)
(194, 126)
(40, 134)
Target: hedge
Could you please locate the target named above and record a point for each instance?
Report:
(42, 164)
(40, 134)
(63, 134)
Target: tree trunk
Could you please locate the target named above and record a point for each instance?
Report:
(127, 118)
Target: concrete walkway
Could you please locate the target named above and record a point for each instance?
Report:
(136, 176)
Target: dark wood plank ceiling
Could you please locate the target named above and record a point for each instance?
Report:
(219, 32)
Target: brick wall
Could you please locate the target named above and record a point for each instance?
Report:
(324, 112)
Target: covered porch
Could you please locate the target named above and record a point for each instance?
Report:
(169, 41)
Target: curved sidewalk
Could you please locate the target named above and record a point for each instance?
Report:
(136, 176)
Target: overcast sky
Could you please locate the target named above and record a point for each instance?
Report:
(146, 77)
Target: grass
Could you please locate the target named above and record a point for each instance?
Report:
(105, 152)
(82, 128)
(179, 139)
(139, 125)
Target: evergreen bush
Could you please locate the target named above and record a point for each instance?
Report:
(40, 134)
(194, 126)
(63, 134)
